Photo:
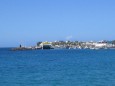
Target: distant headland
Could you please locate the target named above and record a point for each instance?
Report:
(70, 45)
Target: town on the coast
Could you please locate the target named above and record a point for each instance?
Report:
(70, 45)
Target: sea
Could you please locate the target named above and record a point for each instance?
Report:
(61, 67)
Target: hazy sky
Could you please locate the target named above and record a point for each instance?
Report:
(29, 21)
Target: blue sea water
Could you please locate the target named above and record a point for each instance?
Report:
(57, 67)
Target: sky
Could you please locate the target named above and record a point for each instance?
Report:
(28, 21)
